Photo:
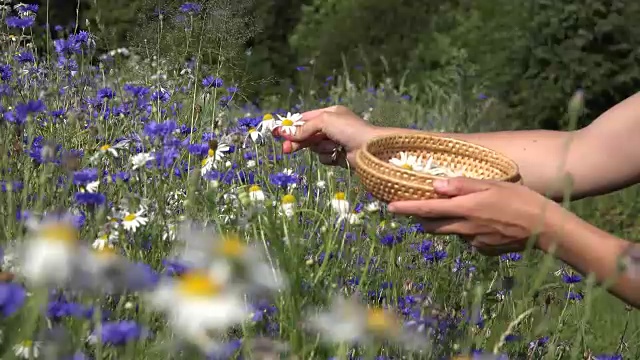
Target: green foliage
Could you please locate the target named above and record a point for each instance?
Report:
(379, 35)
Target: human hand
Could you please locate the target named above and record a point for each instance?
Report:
(325, 130)
(496, 217)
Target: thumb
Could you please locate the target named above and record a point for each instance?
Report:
(459, 186)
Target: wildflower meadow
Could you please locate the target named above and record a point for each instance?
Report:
(147, 211)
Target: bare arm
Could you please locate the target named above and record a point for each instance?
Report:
(591, 250)
(602, 157)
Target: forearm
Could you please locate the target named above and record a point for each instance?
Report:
(591, 250)
(537, 153)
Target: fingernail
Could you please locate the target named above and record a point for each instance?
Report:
(391, 207)
(440, 184)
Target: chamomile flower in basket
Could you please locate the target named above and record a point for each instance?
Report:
(404, 166)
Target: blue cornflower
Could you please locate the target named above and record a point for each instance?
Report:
(283, 179)
(511, 257)
(12, 297)
(27, 8)
(571, 278)
(5, 72)
(576, 296)
(106, 93)
(608, 357)
(136, 91)
(25, 57)
(391, 239)
(154, 129)
(119, 332)
(173, 267)
(539, 343)
(91, 199)
(17, 22)
(66, 47)
(190, 8)
(61, 308)
(12, 186)
(232, 90)
(161, 95)
(85, 176)
(211, 81)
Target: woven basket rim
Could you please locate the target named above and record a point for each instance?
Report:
(365, 152)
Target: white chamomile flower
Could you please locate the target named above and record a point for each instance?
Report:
(321, 184)
(92, 187)
(251, 164)
(132, 221)
(197, 304)
(351, 322)
(372, 206)
(109, 149)
(106, 240)
(254, 135)
(287, 205)
(140, 160)
(267, 124)
(50, 254)
(27, 349)
(352, 218)
(340, 204)
(213, 157)
(409, 162)
(256, 194)
(289, 124)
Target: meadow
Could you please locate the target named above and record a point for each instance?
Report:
(148, 213)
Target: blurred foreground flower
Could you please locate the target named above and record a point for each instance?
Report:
(198, 305)
(228, 258)
(348, 321)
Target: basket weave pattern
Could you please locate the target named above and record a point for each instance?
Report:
(390, 183)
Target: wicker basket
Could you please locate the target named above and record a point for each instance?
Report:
(389, 182)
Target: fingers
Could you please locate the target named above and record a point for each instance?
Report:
(460, 186)
(451, 227)
(435, 208)
(289, 147)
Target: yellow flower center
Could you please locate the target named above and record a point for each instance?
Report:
(231, 246)
(340, 196)
(267, 117)
(378, 320)
(252, 130)
(288, 199)
(130, 217)
(211, 152)
(198, 284)
(203, 163)
(407, 166)
(254, 188)
(287, 122)
(27, 343)
(105, 147)
(60, 232)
